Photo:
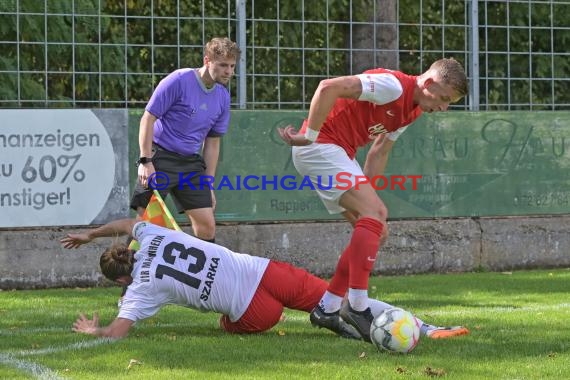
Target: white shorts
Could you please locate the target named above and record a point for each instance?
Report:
(330, 169)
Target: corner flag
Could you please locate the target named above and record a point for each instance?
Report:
(157, 213)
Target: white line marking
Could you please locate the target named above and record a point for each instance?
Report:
(70, 347)
(24, 331)
(38, 371)
(34, 369)
(18, 331)
(478, 310)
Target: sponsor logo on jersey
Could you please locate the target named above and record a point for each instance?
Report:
(376, 130)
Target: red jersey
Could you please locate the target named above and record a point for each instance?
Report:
(352, 123)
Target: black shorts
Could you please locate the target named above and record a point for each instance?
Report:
(186, 183)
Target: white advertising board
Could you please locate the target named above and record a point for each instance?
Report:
(57, 167)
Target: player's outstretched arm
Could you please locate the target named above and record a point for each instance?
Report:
(75, 240)
(119, 328)
(324, 98)
(114, 228)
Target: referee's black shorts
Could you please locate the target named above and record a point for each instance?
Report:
(193, 192)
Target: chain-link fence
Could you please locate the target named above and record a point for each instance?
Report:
(111, 53)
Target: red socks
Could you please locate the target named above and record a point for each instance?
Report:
(339, 282)
(363, 247)
(354, 266)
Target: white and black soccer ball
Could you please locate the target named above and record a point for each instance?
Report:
(395, 330)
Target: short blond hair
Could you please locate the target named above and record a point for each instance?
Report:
(221, 48)
(451, 73)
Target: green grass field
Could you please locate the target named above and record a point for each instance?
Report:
(518, 321)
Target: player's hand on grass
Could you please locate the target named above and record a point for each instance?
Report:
(292, 137)
(75, 240)
(85, 325)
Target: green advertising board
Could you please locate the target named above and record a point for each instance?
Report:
(464, 164)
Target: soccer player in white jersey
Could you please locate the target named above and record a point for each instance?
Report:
(172, 267)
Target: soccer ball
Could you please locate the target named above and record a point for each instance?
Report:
(395, 330)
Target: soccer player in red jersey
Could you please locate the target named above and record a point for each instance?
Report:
(347, 113)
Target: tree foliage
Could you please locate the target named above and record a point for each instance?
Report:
(112, 53)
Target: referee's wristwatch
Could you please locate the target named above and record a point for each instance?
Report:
(143, 160)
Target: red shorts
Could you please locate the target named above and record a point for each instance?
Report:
(282, 285)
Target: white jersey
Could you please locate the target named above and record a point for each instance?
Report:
(175, 268)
